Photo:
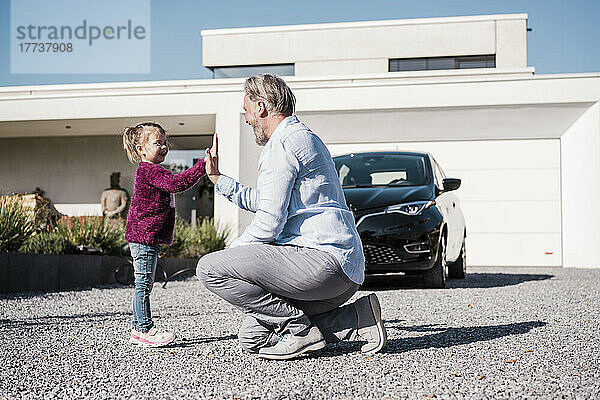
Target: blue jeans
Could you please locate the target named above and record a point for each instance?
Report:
(144, 267)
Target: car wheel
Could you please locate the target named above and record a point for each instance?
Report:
(436, 276)
(458, 269)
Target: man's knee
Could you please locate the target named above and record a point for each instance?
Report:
(205, 268)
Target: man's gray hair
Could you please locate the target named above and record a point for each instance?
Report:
(273, 91)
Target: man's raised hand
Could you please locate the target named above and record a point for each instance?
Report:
(212, 160)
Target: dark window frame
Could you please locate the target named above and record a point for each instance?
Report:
(460, 62)
(253, 66)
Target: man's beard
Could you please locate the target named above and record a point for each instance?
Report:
(259, 133)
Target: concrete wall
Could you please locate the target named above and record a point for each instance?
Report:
(53, 272)
(511, 43)
(446, 123)
(366, 47)
(73, 171)
(580, 159)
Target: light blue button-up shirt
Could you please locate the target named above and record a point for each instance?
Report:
(299, 199)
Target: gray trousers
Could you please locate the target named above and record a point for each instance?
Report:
(282, 289)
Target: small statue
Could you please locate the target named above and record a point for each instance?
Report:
(114, 199)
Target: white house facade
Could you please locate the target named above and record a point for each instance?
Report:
(526, 146)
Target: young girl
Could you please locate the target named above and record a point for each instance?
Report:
(151, 219)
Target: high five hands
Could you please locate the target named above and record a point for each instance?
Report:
(212, 160)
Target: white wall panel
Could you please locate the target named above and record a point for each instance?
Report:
(512, 216)
(535, 185)
(514, 250)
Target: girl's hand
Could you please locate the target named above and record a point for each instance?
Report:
(212, 161)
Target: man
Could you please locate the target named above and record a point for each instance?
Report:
(301, 257)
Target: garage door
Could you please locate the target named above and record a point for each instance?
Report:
(510, 196)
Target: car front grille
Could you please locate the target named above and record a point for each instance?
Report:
(377, 254)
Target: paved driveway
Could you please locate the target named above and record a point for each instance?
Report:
(500, 333)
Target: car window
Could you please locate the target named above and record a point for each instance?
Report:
(439, 174)
(392, 169)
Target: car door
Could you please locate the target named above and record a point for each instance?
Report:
(458, 221)
(448, 203)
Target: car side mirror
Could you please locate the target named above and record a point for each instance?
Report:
(451, 184)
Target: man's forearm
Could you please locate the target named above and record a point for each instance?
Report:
(243, 196)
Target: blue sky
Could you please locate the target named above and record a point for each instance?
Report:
(565, 36)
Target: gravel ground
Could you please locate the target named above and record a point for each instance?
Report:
(500, 333)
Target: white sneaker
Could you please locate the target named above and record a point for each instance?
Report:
(370, 324)
(152, 338)
(291, 346)
(134, 339)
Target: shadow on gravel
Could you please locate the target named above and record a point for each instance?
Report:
(448, 337)
(180, 343)
(473, 280)
(62, 319)
(489, 280)
(444, 337)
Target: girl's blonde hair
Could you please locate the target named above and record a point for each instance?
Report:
(134, 135)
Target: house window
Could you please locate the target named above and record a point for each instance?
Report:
(244, 71)
(437, 63)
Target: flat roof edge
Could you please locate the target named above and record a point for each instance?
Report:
(362, 24)
(171, 84)
(236, 84)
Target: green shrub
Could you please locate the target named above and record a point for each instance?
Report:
(210, 237)
(48, 242)
(192, 242)
(100, 232)
(17, 223)
(67, 233)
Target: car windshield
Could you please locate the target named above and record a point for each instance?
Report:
(358, 170)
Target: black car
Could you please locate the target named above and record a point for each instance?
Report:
(406, 214)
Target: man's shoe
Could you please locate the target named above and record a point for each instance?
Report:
(152, 338)
(370, 325)
(290, 346)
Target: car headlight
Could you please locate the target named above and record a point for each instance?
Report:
(413, 208)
